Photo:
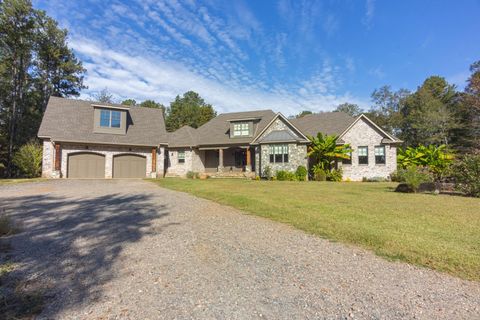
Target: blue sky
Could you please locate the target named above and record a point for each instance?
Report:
(284, 55)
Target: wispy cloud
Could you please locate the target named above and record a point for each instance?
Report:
(369, 13)
(157, 49)
(377, 72)
(132, 76)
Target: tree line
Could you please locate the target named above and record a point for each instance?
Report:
(435, 114)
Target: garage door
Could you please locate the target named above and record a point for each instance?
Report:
(129, 166)
(86, 165)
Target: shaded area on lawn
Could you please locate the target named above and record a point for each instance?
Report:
(436, 231)
(67, 246)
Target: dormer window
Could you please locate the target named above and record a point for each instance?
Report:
(241, 129)
(110, 118)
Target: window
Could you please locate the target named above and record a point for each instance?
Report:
(347, 161)
(380, 154)
(278, 153)
(181, 156)
(241, 129)
(115, 120)
(362, 155)
(110, 118)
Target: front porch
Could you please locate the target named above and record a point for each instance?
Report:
(229, 161)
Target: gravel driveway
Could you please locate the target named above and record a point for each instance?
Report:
(128, 249)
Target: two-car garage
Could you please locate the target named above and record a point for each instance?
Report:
(91, 165)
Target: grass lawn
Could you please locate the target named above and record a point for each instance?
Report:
(437, 231)
(12, 181)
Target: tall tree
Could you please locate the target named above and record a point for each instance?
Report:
(430, 113)
(17, 26)
(35, 63)
(129, 102)
(387, 108)
(57, 71)
(469, 112)
(104, 96)
(349, 108)
(303, 113)
(190, 109)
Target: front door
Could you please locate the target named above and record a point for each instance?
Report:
(240, 158)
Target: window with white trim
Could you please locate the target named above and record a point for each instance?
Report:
(181, 156)
(110, 118)
(362, 155)
(278, 153)
(241, 129)
(379, 154)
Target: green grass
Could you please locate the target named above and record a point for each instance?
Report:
(13, 181)
(436, 231)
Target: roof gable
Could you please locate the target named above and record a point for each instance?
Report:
(216, 131)
(388, 138)
(279, 123)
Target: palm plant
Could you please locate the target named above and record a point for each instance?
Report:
(325, 151)
(437, 159)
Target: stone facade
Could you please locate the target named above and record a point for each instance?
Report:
(192, 162)
(363, 134)
(297, 153)
(108, 151)
(47, 161)
(297, 156)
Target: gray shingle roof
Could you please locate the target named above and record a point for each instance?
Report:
(331, 123)
(71, 120)
(279, 136)
(216, 131)
(183, 137)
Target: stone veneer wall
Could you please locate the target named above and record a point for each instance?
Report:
(363, 134)
(108, 151)
(297, 153)
(297, 156)
(180, 169)
(47, 161)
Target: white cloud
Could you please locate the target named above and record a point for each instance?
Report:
(369, 13)
(141, 78)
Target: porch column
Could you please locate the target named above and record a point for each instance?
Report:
(154, 163)
(220, 160)
(57, 165)
(248, 167)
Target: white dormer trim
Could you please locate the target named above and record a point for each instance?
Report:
(110, 107)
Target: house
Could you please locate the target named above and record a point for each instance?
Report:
(84, 139)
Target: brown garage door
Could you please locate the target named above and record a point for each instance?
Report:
(86, 165)
(129, 166)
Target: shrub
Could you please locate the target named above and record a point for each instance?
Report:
(319, 174)
(437, 159)
(301, 173)
(414, 176)
(398, 175)
(335, 175)
(29, 159)
(467, 175)
(267, 173)
(283, 175)
(193, 175)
